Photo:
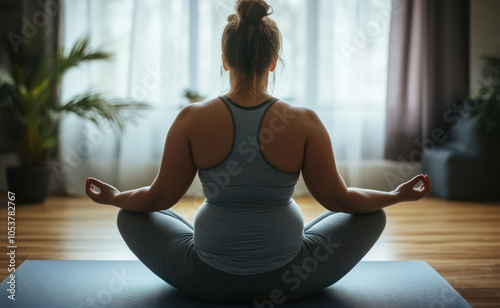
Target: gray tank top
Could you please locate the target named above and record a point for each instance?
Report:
(249, 223)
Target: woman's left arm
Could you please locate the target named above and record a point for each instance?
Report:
(174, 177)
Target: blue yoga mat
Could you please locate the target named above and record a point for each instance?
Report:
(44, 283)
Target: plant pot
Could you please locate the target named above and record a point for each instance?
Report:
(30, 184)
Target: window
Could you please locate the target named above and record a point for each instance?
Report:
(335, 54)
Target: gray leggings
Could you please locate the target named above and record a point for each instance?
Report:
(333, 244)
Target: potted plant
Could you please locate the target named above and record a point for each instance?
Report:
(34, 117)
(193, 96)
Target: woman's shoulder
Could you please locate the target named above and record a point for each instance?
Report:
(281, 108)
(204, 114)
(201, 109)
(301, 113)
(292, 108)
(200, 106)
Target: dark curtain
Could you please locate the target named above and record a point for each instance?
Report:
(428, 71)
(29, 32)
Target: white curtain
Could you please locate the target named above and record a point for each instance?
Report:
(335, 54)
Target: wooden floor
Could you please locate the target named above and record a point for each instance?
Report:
(460, 240)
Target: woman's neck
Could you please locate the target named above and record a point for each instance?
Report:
(248, 97)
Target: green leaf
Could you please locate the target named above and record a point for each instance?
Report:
(42, 73)
(40, 96)
(49, 143)
(30, 103)
(92, 105)
(80, 53)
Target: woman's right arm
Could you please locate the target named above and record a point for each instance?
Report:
(327, 186)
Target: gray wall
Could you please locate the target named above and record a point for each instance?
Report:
(484, 36)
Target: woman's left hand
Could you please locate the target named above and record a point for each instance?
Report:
(105, 196)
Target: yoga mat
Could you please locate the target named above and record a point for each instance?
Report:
(45, 283)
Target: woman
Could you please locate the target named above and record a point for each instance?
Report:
(248, 242)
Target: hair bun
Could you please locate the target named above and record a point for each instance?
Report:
(252, 10)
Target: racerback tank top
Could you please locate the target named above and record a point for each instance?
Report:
(248, 224)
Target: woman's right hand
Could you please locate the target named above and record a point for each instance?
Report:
(407, 192)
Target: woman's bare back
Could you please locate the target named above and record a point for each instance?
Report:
(282, 135)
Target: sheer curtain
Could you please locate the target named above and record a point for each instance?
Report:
(335, 55)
